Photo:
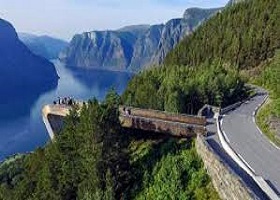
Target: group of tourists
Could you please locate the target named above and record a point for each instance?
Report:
(65, 101)
(127, 111)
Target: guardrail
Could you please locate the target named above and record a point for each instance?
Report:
(235, 105)
(258, 179)
(230, 107)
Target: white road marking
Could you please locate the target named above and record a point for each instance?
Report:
(246, 163)
(260, 131)
(226, 137)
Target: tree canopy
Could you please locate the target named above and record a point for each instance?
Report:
(243, 35)
(95, 158)
(185, 89)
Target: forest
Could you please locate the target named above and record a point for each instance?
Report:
(186, 89)
(94, 158)
(211, 66)
(244, 35)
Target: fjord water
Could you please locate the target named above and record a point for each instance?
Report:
(21, 126)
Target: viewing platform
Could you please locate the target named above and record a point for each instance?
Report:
(178, 125)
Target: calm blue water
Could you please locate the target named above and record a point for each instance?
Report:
(21, 126)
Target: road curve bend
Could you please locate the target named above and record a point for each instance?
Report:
(246, 139)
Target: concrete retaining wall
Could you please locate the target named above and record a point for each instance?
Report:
(58, 110)
(156, 114)
(160, 126)
(228, 184)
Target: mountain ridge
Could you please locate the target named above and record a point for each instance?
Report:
(44, 45)
(18, 65)
(132, 48)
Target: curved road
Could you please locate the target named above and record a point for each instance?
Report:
(247, 140)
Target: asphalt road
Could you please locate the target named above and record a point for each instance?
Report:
(247, 140)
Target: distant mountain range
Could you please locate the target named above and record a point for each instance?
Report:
(132, 48)
(44, 46)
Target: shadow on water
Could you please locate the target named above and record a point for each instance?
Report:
(16, 102)
(21, 125)
(100, 79)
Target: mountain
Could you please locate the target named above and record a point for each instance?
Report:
(249, 38)
(204, 68)
(136, 30)
(100, 49)
(145, 47)
(176, 29)
(133, 47)
(44, 46)
(19, 67)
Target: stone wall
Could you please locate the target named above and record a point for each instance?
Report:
(228, 185)
(161, 115)
(160, 126)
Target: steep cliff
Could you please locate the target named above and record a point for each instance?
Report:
(18, 66)
(100, 49)
(134, 47)
(145, 47)
(176, 29)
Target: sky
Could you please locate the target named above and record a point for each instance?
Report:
(65, 18)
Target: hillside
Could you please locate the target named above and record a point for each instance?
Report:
(182, 89)
(43, 46)
(21, 69)
(23, 74)
(244, 35)
(18, 63)
(269, 116)
(94, 158)
(132, 48)
(242, 38)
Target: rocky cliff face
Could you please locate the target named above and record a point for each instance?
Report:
(18, 66)
(43, 46)
(100, 49)
(132, 48)
(145, 48)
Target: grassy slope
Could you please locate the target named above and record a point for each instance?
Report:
(269, 78)
(169, 169)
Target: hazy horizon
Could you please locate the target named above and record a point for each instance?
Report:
(64, 18)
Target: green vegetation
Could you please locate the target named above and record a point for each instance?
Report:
(185, 89)
(270, 79)
(244, 35)
(11, 170)
(170, 169)
(204, 67)
(95, 158)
